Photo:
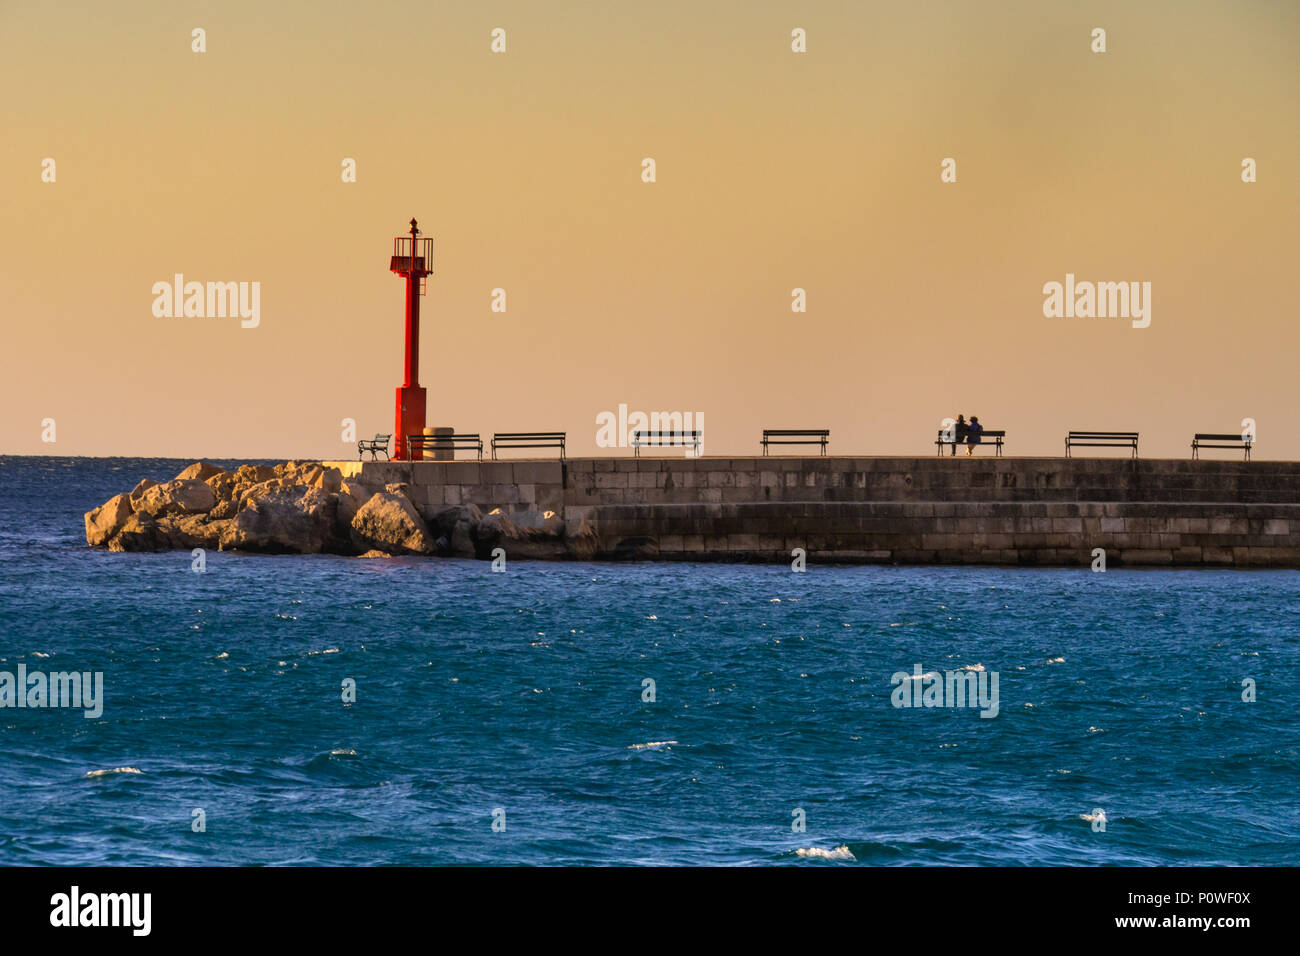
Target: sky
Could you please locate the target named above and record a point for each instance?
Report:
(775, 170)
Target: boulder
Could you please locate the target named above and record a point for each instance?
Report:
(580, 538)
(140, 532)
(279, 521)
(254, 474)
(222, 484)
(351, 496)
(144, 485)
(199, 471)
(497, 530)
(546, 522)
(389, 522)
(229, 491)
(180, 497)
(191, 531)
(107, 520)
(456, 528)
(326, 479)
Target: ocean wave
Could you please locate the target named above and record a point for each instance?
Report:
(94, 774)
(652, 745)
(841, 852)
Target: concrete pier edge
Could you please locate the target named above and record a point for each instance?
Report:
(893, 510)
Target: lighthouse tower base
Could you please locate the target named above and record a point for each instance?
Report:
(410, 420)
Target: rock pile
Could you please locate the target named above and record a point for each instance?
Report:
(308, 508)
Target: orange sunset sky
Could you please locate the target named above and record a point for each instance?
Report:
(775, 170)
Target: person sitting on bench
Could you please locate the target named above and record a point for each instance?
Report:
(961, 428)
(973, 432)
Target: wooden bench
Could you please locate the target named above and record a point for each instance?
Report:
(373, 445)
(1102, 440)
(663, 439)
(989, 436)
(796, 436)
(1210, 440)
(528, 440)
(443, 442)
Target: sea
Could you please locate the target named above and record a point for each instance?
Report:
(324, 710)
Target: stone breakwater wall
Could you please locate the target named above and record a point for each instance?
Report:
(1039, 511)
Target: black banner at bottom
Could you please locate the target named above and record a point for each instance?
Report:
(336, 905)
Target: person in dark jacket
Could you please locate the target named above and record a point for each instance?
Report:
(973, 433)
(960, 429)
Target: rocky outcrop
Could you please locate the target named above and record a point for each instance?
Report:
(309, 508)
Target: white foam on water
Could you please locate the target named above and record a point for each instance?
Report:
(104, 773)
(652, 745)
(841, 852)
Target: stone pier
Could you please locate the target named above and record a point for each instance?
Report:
(943, 510)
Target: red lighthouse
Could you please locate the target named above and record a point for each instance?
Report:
(412, 258)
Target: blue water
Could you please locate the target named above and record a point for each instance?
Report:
(522, 691)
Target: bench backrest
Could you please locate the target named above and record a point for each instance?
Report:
(1235, 436)
(784, 432)
(435, 439)
(529, 436)
(1118, 436)
(987, 433)
(639, 435)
